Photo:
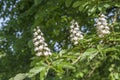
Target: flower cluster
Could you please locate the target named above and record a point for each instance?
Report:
(41, 48)
(75, 33)
(102, 28)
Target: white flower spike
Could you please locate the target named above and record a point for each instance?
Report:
(102, 27)
(41, 48)
(75, 33)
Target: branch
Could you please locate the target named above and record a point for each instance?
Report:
(90, 73)
(46, 60)
(114, 20)
(76, 60)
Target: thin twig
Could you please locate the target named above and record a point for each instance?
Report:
(91, 72)
(115, 17)
(77, 59)
(114, 20)
(47, 62)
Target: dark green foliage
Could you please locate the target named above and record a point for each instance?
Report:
(93, 59)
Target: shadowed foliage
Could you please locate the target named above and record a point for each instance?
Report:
(93, 58)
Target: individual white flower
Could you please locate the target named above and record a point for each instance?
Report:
(104, 23)
(46, 48)
(36, 49)
(41, 47)
(34, 30)
(39, 54)
(107, 28)
(100, 27)
(102, 19)
(46, 53)
(37, 27)
(41, 41)
(71, 30)
(35, 34)
(80, 37)
(72, 35)
(105, 32)
(38, 31)
(41, 34)
(76, 24)
(102, 15)
(78, 34)
(45, 44)
(38, 37)
(77, 29)
(98, 23)
(35, 39)
(75, 38)
(49, 53)
(36, 43)
(74, 32)
(76, 42)
(72, 26)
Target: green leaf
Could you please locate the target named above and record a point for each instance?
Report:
(68, 3)
(67, 65)
(83, 6)
(100, 8)
(110, 49)
(37, 2)
(35, 71)
(89, 53)
(116, 76)
(93, 9)
(106, 5)
(117, 5)
(80, 74)
(43, 73)
(62, 52)
(19, 76)
(76, 4)
(112, 39)
(30, 44)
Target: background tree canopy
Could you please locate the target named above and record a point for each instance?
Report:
(93, 58)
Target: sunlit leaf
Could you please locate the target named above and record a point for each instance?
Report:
(76, 4)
